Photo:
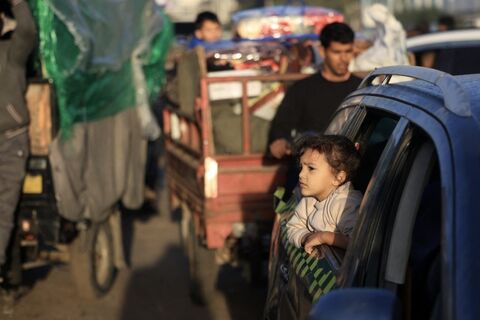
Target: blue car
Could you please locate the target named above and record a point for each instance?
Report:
(414, 253)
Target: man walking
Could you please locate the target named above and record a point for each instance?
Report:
(17, 39)
(310, 103)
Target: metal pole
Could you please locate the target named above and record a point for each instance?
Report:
(245, 119)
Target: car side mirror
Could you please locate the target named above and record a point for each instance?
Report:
(356, 303)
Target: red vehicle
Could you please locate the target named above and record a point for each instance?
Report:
(226, 198)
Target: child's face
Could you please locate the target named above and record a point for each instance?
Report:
(209, 32)
(317, 179)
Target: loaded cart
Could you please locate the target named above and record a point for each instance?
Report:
(217, 170)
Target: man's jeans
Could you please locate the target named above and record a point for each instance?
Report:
(13, 157)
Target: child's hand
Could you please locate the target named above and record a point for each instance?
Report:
(312, 240)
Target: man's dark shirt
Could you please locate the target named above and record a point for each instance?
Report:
(14, 53)
(308, 106)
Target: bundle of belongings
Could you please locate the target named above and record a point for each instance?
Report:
(283, 21)
(106, 72)
(274, 40)
(388, 41)
(265, 56)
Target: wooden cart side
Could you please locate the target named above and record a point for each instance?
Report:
(191, 69)
(247, 109)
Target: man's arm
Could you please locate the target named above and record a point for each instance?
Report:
(24, 36)
(287, 116)
(280, 148)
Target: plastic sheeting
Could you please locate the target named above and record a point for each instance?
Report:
(104, 56)
(389, 46)
(101, 163)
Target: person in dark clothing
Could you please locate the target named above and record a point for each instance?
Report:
(309, 103)
(17, 40)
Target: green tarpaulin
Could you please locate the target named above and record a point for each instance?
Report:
(103, 55)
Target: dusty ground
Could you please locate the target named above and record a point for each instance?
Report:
(155, 286)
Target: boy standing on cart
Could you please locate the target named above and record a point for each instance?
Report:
(208, 29)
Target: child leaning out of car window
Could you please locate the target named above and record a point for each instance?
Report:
(328, 210)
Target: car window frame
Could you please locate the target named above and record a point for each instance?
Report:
(442, 141)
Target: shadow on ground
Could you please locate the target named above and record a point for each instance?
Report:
(161, 291)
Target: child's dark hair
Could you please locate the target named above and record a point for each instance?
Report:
(205, 16)
(338, 32)
(339, 151)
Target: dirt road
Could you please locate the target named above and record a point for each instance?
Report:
(155, 286)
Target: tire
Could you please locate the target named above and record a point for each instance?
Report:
(92, 261)
(203, 270)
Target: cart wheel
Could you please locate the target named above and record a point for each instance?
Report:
(92, 261)
(202, 267)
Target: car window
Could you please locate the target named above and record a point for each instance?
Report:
(343, 119)
(385, 159)
(371, 139)
(370, 131)
(453, 60)
(458, 60)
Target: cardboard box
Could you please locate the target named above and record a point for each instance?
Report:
(233, 89)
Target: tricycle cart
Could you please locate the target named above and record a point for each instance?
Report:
(224, 192)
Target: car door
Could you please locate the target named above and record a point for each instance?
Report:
(397, 241)
(296, 279)
(307, 278)
(381, 138)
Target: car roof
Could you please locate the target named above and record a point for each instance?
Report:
(453, 38)
(456, 96)
(469, 83)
